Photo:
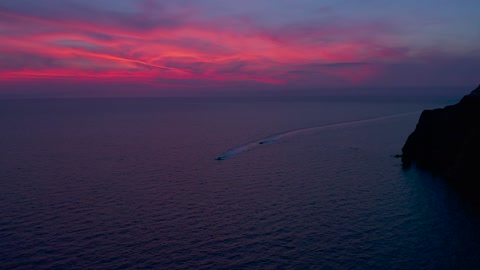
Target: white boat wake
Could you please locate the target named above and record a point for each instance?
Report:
(288, 134)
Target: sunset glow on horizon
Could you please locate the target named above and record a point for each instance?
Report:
(195, 44)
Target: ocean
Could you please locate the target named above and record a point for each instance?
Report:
(224, 183)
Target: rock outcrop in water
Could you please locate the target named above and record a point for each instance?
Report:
(447, 142)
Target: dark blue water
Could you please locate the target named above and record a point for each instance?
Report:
(134, 184)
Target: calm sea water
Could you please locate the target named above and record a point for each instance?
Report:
(134, 184)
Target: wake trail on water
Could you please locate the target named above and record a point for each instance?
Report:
(288, 134)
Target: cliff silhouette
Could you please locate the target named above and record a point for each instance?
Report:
(446, 142)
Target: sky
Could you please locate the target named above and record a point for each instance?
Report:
(149, 47)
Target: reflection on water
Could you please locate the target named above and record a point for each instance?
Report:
(133, 184)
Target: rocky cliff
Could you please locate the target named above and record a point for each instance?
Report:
(447, 142)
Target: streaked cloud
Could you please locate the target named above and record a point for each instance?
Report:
(207, 43)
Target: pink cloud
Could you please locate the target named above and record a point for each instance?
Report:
(181, 47)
